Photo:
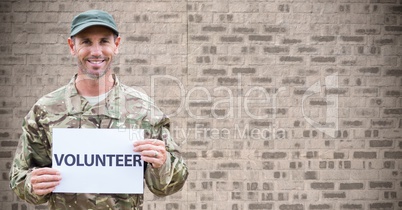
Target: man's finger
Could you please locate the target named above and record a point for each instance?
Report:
(42, 171)
(156, 163)
(139, 148)
(149, 141)
(45, 178)
(45, 185)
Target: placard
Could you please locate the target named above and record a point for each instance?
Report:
(98, 160)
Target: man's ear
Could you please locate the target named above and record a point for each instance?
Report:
(117, 43)
(71, 45)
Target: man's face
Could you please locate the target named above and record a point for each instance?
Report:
(94, 48)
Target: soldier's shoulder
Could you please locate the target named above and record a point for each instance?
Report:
(53, 97)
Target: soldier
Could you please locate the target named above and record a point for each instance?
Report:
(94, 98)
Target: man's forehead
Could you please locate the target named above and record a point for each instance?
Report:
(96, 30)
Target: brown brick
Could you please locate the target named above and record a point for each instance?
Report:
(291, 207)
(5, 154)
(203, 59)
(369, 70)
(394, 72)
(367, 31)
(199, 38)
(393, 154)
(169, 102)
(393, 93)
(198, 143)
(322, 185)
(323, 59)
(385, 41)
(262, 38)
(378, 206)
(231, 39)
(351, 186)
(274, 155)
(280, 111)
(352, 38)
(136, 61)
(214, 28)
(217, 154)
(261, 123)
(189, 155)
(262, 80)
(366, 91)
(310, 175)
(355, 123)
(258, 206)
(275, 50)
(323, 38)
(291, 41)
(319, 102)
(243, 30)
(12, 60)
(214, 72)
(200, 104)
(268, 165)
(9, 143)
(339, 155)
(396, 29)
(230, 60)
(365, 155)
(291, 59)
(381, 143)
(334, 195)
(209, 49)
(393, 111)
(230, 166)
(381, 185)
(274, 29)
(138, 38)
(195, 18)
(337, 91)
(227, 81)
(395, 9)
(172, 206)
(218, 175)
(352, 206)
(320, 206)
(252, 186)
(294, 80)
(243, 70)
(307, 49)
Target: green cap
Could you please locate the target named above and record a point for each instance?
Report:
(92, 18)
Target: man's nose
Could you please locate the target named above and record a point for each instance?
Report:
(96, 50)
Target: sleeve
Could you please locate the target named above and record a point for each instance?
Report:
(171, 177)
(31, 152)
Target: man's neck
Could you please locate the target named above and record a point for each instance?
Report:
(94, 87)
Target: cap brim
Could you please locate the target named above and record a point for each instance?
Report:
(86, 25)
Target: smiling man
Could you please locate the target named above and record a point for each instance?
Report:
(94, 98)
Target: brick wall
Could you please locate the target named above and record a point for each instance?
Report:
(277, 104)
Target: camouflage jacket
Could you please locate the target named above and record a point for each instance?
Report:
(124, 107)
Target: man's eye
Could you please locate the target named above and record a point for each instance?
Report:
(85, 42)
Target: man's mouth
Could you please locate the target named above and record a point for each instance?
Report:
(96, 61)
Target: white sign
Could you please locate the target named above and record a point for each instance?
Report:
(98, 160)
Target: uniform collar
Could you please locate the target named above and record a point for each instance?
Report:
(110, 107)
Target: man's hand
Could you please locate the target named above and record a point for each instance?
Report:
(152, 151)
(44, 180)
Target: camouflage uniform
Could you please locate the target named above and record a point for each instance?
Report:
(124, 107)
